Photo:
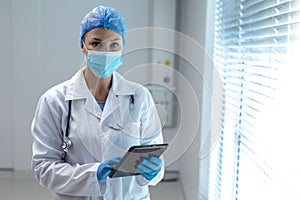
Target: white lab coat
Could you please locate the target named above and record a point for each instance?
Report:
(96, 136)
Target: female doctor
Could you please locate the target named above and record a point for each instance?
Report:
(83, 126)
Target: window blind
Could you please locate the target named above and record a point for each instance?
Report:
(253, 44)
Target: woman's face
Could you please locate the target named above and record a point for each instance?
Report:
(100, 39)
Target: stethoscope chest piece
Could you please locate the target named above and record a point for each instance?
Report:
(67, 144)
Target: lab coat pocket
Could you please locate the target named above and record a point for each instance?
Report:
(128, 128)
(122, 137)
(132, 132)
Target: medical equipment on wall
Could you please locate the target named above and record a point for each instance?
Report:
(166, 99)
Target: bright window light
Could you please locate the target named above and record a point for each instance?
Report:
(256, 50)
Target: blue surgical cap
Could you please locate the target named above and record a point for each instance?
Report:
(104, 17)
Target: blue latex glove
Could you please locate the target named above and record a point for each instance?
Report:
(149, 168)
(106, 167)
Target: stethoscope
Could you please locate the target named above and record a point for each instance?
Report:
(66, 145)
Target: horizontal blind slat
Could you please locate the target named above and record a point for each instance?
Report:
(275, 20)
(251, 42)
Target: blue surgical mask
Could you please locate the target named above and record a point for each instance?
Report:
(103, 64)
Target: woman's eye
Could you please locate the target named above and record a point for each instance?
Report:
(115, 45)
(96, 44)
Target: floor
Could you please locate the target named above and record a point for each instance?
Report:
(21, 185)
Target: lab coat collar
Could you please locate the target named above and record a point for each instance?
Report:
(121, 86)
(78, 89)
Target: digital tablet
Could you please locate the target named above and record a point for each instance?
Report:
(127, 166)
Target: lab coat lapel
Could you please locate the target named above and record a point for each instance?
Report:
(84, 107)
(112, 103)
(92, 107)
(120, 87)
(76, 88)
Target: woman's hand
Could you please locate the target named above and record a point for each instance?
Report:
(106, 167)
(149, 168)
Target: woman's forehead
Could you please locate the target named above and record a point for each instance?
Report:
(102, 35)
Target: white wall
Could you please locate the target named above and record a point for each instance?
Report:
(6, 160)
(192, 22)
(40, 48)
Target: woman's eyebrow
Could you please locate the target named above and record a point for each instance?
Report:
(95, 38)
(115, 39)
